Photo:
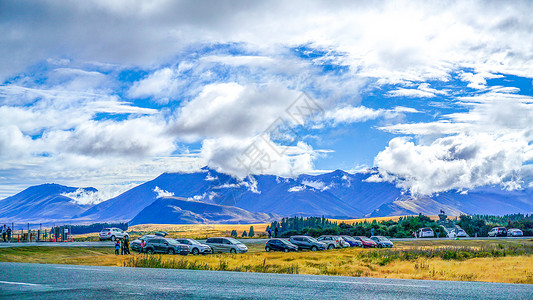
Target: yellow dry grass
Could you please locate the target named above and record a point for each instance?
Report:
(199, 231)
(341, 262)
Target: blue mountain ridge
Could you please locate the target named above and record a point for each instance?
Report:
(337, 194)
(42, 203)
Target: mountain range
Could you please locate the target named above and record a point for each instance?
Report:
(209, 196)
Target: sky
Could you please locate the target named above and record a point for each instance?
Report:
(436, 95)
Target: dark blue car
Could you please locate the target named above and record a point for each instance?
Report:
(280, 245)
(353, 242)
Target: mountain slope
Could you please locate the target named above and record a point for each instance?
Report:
(174, 210)
(42, 203)
(128, 204)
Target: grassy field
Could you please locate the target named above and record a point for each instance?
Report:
(195, 231)
(203, 231)
(508, 261)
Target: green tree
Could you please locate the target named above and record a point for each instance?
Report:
(244, 234)
(251, 232)
(234, 233)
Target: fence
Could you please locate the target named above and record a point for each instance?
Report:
(25, 233)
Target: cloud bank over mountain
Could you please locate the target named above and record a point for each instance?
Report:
(437, 95)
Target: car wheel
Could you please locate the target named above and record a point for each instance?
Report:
(150, 251)
(171, 251)
(314, 248)
(194, 251)
(267, 249)
(286, 250)
(232, 251)
(113, 238)
(330, 247)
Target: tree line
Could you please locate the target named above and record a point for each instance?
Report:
(403, 228)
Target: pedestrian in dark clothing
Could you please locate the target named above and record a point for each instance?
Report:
(9, 234)
(276, 232)
(122, 249)
(117, 247)
(126, 246)
(4, 229)
(269, 233)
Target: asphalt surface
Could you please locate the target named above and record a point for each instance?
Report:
(245, 241)
(31, 281)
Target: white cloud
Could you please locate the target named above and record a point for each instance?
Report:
(242, 157)
(296, 189)
(423, 91)
(454, 162)
(162, 193)
(162, 85)
(351, 114)
(233, 110)
(489, 144)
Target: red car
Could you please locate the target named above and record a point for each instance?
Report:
(367, 243)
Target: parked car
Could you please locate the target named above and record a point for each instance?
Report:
(497, 231)
(164, 245)
(426, 232)
(331, 241)
(457, 233)
(195, 246)
(382, 241)
(225, 244)
(136, 244)
(367, 243)
(307, 242)
(280, 245)
(515, 232)
(112, 234)
(351, 241)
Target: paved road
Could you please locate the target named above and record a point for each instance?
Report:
(30, 281)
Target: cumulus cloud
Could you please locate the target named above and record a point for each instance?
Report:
(489, 144)
(260, 155)
(230, 109)
(455, 162)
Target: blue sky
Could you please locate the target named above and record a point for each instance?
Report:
(436, 95)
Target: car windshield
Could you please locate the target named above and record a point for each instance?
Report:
(284, 242)
(194, 242)
(312, 239)
(173, 242)
(364, 238)
(234, 241)
(348, 238)
(383, 239)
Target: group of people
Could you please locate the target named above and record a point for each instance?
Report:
(6, 233)
(270, 232)
(122, 248)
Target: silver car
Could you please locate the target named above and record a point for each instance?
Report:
(112, 234)
(225, 244)
(195, 246)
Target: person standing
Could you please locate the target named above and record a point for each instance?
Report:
(276, 232)
(117, 247)
(4, 229)
(143, 244)
(269, 233)
(126, 246)
(8, 234)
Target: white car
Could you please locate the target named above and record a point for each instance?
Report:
(195, 246)
(426, 232)
(458, 233)
(333, 241)
(515, 232)
(113, 234)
